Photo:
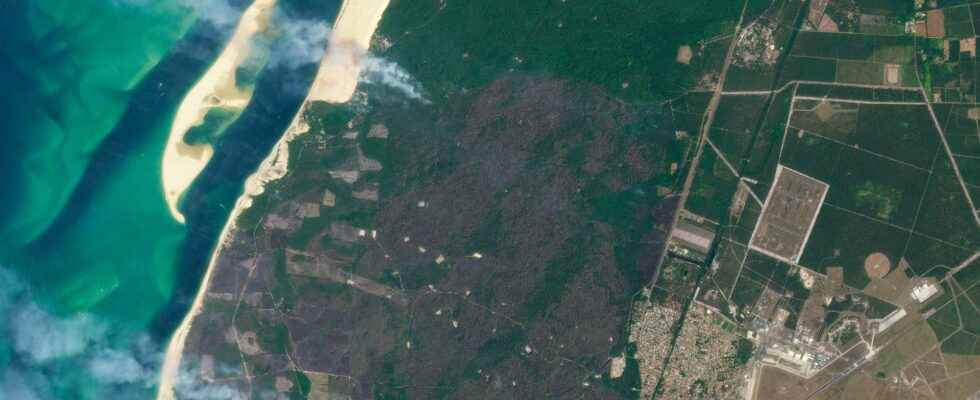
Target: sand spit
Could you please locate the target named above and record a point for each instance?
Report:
(218, 87)
(335, 82)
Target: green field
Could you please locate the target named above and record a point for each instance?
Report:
(867, 48)
(877, 188)
(944, 213)
(879, 308)
(812, 155)
(834, 242)
(713, 187)
(959, 22)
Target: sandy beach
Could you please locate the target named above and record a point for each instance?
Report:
(335, 82)
(218, 87)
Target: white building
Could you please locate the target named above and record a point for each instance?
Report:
(924, 291)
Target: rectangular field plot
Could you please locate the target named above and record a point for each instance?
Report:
(759, 162)
(833, 45)
(749, 78)
(835, 120)
(811, 155)
(903, 133)
(875, 167)
(959, 22)
(860, 72)
(714, 186)
(945, 212)
(877, 187)
(788, 215)
(859, 93)
(747, 137)
(868, 48)
(739, 113)
(800, 68)
(962, 127)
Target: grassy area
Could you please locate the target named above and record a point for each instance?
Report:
(945, 213)
(833, 243)
(734, 119)
(729, 260)
(946, 320)
(747, 291)
(879, 308)
(877, 188)
(713, 187)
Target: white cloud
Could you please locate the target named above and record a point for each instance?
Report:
(42, 338)
(300, 42)
(52, 357)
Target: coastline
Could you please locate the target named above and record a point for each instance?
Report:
(217, 88)
(335, 82)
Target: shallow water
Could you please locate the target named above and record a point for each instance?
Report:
(89, 250)
(71, 67)
(94, 272)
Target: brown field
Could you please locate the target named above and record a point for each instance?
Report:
(836, 275)
(877, 265)
(958, 364)
(866, 387)
(931, 367)
(776, 384)
(914, 338)
(894, 287)
(790, 210)
(912, 332)
(961, 386)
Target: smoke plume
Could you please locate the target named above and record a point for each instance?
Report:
(380, 71)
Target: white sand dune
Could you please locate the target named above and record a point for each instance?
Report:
(182, 162)
(335, 82)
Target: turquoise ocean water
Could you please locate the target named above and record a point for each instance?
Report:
(94, 272)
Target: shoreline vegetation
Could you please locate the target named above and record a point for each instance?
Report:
(217, 89)
(335, 82)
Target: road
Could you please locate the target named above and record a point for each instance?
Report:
(962, 265)
(949, 152)
(706, 122)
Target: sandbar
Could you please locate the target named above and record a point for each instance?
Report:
(335, 82)
(182, 162)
